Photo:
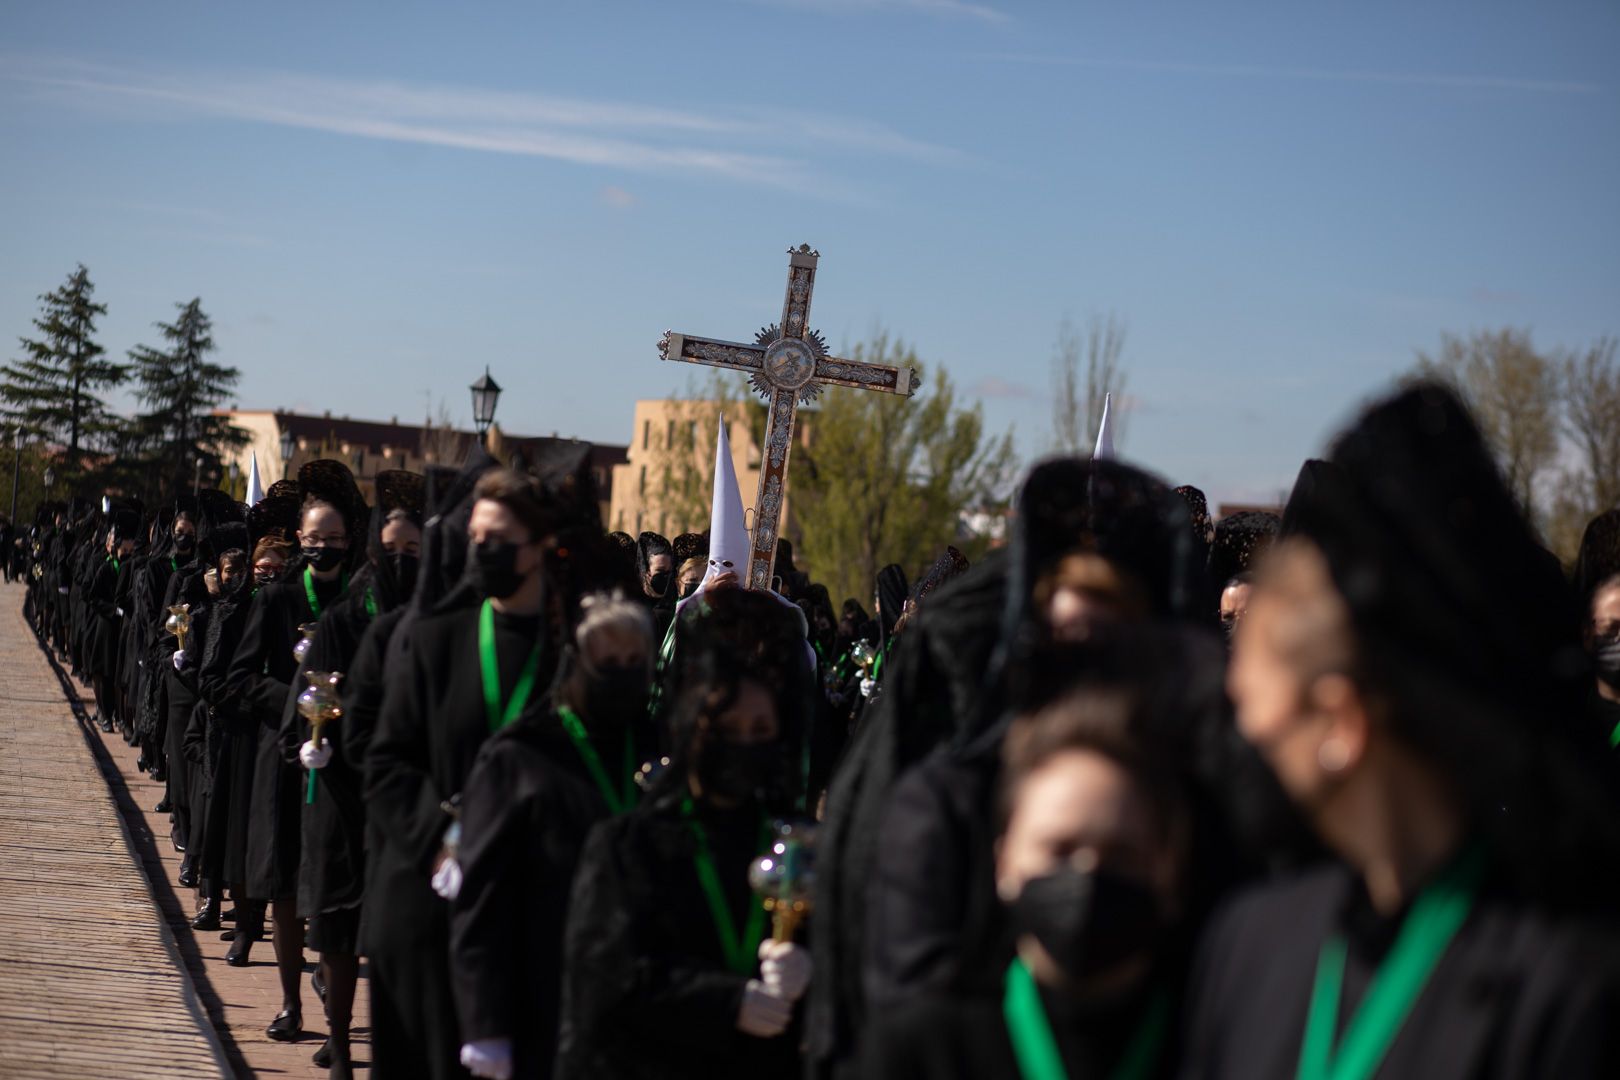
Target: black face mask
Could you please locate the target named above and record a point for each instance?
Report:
(494, 567)
(184, 543)
(616, 696)
(261, 580)
(1606, 659)
(688, 590)
(404, 566)
(658, 584)
(1088, 922)
(323, 559)
(737, 772)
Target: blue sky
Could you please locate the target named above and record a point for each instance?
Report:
(1283, 201)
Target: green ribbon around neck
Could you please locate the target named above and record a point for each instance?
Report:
(309, 589)
(617, 803)
(1426, 933)
(741, 953)
(498, 715)
(1035, 1046)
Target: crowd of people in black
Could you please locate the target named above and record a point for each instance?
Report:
(1138, 794)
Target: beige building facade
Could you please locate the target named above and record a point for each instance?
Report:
(666, 483)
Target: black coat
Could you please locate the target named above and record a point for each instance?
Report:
(261, 675)
(231, 740)
(647, 991)
(331, 872)
(1518, 994)
(429, 730)
(528, 805)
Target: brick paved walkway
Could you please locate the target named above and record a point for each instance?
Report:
(239, 1001)
(89, 984)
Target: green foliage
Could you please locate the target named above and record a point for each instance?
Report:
(886, 479)
(181, 387)
(52, 391)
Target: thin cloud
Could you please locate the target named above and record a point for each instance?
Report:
(941, 8)
(616, 197)
(995, 387)
(746, 146)
(1247, 71)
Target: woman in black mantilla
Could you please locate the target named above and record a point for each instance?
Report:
(332, 516)
(1097, 862)
(331, 871)
(537, 788)
(457, 673)
(665, 975)
(1410, 668)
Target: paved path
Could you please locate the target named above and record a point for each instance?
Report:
(90, 986)
(239, 1001)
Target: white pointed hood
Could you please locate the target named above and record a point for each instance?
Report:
(1104, 450)
(255, 486)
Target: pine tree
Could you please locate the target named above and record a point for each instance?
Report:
(182, 388)
(52, 391)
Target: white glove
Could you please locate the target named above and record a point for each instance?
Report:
(447, 879)
(63, 589)
(311, 756)
(867, 686)
(784, 968)
(488, 1058)
(120, 612)
(179, 659)
(763, 1014)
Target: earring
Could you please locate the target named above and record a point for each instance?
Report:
(1333, 755)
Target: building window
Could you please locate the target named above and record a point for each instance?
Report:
(646, 434)
(643, 486)
(669, 435)
(638, 522)
(661, 521)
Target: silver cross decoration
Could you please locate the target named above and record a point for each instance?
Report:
(788, 364)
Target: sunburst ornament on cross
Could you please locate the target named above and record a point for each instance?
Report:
(788, 364)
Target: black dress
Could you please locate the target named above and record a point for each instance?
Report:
(529, 803)
(647, 992)
(429, 731)
(1517, 994)
(232, 741)
(331, 872)
(261, 676)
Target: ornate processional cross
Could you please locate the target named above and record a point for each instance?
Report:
(787, 364)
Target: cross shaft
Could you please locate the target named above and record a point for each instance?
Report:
(788, 364)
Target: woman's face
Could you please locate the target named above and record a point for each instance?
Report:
(323, 527)
(751, 719)
(1081, 807)
(268, 567)
(402, 537)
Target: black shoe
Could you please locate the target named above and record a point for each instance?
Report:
(228, 915)
(188, 874)
(140, 766)
(286, 1027)
(241, 945)
(323, 1056)
(103, 723)
(162, 807)
(319, 985)
(207, 917)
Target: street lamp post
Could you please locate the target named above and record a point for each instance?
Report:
(234, 470)
(288, 445)
(485, 392)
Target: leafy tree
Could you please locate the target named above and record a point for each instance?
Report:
(52, 391)
(886, 479)
(182, 387)
(1513, 391)
(1085, 370)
